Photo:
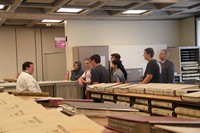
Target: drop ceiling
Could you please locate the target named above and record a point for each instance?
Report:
(29, 13)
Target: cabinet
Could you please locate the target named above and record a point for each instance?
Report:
(186, 60)
(82, 52)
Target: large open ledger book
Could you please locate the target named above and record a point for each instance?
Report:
(96, 109)
(145, 124)
(176, 129)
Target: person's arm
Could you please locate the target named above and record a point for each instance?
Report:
(67, 75)
(80, 81)
(147, 79)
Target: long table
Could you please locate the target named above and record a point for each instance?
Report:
(62, 88)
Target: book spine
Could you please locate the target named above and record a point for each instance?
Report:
(141, 107)
(123, 103)
(162, 104)
(140, 90)
(180, 92)
(164, 112)
(159, 92)
(30, 93)
(187, 111)
(122, 126)
(122, 98)
(143, 114)
(95, 95)
(187, 117)
(110, 102)
(149, 91)
(123, 90)
(116, 90)
(142, 101)
(169, 92)
(108, 97)
(109, 89)
(132, 90)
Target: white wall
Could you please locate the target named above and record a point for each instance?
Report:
(89, 33)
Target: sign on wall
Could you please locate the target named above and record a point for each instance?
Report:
(60, 42)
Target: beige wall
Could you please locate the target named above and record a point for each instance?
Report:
(8, 57)
(91, 33)
(187, 32)
(18, 45)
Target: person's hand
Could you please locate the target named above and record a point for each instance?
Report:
(80, 83)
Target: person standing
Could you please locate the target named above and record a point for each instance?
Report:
(25, 80)
(118, 75)
(167, 73)
(76, 71)
(117, 56)
(99, 72)
(85, 78)
(152, 72)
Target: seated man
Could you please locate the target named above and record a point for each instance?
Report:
(25, 81)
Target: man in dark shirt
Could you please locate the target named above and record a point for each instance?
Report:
(152, 72)
(167, 73)
(121, 67)
(99, 72)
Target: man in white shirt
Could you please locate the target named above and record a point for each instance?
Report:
(85, 78)
(25, 81)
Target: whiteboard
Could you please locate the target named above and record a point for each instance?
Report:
(132, 55)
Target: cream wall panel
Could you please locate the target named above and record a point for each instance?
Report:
(91, 33)
(39, 54)
(54, 66)
(188, 32)
(26, 47)
(8, 60)
(54, 59)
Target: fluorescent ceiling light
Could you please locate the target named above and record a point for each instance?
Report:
(134, 11)
(75, 10)
(51, 21)
(1, 6)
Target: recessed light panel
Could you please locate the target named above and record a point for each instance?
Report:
(73, 10)
(134, 11)
(50, 21)
(1, 6)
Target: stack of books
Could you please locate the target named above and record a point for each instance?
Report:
(145, 124)
(163, 108)
(191, 97)
(96, 109)
(117, 88)
(176, 129)
(151, 88)
(142, 105)
(188, 113)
